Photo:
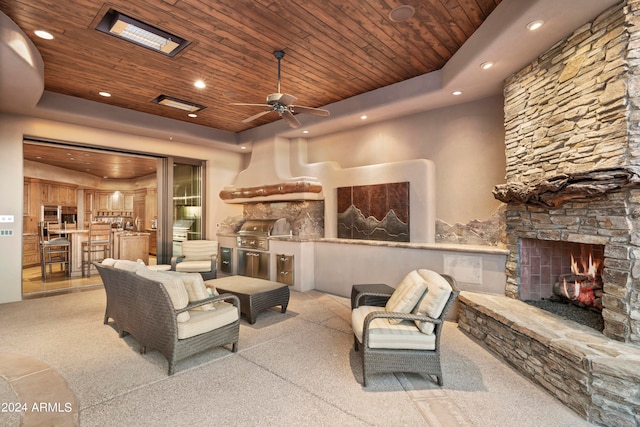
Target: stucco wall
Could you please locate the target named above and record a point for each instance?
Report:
(465, 142)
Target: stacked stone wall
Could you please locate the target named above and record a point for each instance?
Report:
(576, 109)
(567, 111)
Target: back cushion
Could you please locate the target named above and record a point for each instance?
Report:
(124, 264)
(199, 249)
(406, 295)
(194, 284)
(434, 300)
(174, 286)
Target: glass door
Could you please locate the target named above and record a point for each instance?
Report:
(187, 203)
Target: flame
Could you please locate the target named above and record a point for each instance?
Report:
(590, 269)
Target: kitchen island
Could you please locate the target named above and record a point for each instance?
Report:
(124, 245)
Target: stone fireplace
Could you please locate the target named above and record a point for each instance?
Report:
(572, 138)
(573, 150)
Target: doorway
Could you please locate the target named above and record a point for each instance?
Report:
(132, 191)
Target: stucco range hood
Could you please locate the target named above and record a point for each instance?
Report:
(268, 178)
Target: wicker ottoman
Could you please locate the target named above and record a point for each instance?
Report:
(255, 295)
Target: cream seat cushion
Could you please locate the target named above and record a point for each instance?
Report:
(406, 295)
(382, 334)
(174, 286)
(205, 321)
(434, 299)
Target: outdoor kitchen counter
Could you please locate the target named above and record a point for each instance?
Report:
(449, 247)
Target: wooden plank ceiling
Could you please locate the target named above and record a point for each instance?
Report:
(334, 49)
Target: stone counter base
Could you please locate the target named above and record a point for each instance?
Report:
(595, 376)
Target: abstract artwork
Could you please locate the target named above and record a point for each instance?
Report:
(374, 212)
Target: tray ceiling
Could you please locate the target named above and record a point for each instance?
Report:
(333, 50)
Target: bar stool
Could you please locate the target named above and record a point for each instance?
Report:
(53, 251)
(97, 247)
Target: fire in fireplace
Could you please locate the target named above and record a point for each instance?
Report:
(564, 278)
(583, 286)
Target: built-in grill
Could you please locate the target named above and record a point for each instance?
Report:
(253, 244)
(255, 233)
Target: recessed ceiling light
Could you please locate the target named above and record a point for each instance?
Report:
(305, 131)
(242, 147)
(105, 94)
(534, 25)
(486, 65)
(192, 115)
(363, 117)
(402, 13)
(200, 84)
(43, 34)
(456, 92)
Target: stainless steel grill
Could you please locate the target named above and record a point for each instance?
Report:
(253, 244)
(255, 233)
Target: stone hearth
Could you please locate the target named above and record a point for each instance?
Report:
(595, 376)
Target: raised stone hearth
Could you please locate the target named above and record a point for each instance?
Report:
(597, 377)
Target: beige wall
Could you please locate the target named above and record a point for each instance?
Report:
(465, 142)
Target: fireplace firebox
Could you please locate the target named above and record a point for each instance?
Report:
(561, 271)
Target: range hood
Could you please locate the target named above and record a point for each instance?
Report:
(268, 178)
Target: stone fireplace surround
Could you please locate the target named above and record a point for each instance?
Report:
(572, 145)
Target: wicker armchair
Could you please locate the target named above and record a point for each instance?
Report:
(388, 353)
(198, 256)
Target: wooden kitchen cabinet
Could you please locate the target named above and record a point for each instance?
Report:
(103, 201)
(55, 194)
(128, 202)
(30, 250)
(153, 242)
(26, 199)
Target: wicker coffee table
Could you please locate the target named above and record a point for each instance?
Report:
(255, 295)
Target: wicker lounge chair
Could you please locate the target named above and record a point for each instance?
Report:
(388, 352)
(198, 256)
(144, 308)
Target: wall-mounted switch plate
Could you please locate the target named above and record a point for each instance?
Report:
(6, 232)
(6, 218)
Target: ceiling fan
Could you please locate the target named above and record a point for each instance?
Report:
(282, 103)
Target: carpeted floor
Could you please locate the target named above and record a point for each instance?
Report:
(293, 369)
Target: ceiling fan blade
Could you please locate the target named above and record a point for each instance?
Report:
(287, 99)
(251, 105)
(255, 116)
(290, 119)
(310, 110)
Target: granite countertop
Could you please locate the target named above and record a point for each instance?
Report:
(490, 250)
